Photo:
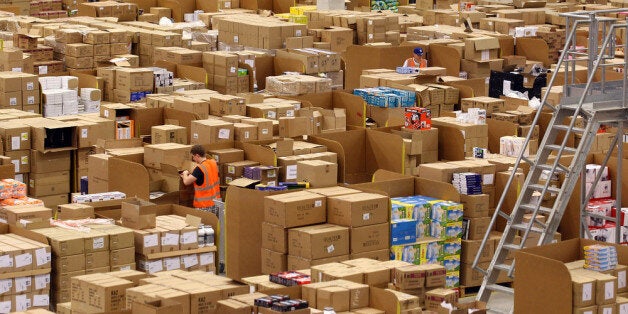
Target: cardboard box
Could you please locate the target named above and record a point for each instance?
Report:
(171, 154)
(106, 293)
(12, 215)
(369, 238)
(74, 211)
(51, 183)
(210, 132)
(318, 241)
(295, 209)
(169, 134)
(293, 126)
(318, 173)
(15, 136)
(336, 297)
(409, 277)
(158, 307)
(360, 209)
(50, 162)
(274, 238)
(476, 228)
(226, 155)
(20, 159)
(273, 262)
(138, 214)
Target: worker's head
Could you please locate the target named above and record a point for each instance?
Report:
(197, 152)
(418, 53)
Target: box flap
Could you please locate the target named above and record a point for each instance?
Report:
(483, 43)
(244, 182)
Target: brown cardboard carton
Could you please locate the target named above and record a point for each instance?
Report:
(138, 214)
(273, 261)
(293, 126)
(70, 263)
(318, 241)
(264, 128)
(296, 262)
(21, 160)
(147, 241)
(15, 136)
(52, 183)
(434, 298)
(96, 260)
(74, 211)
(274, 238)
(234, 170)
(334, 191)
(227, 155)
(606, 286)
(476, 227)
(470, 249)
(358, 209)
(14, 214)
(295, 209)
(434, 275)
(475, 206)
(233, 307)
(123, 256)
(158, 307)
(409, 277)
(583, 291)
(336, 297)
(369, 238)
(211, 131)
(106, 293)
(172, 154)
(169, 134)
(50, 162)
(318, 173)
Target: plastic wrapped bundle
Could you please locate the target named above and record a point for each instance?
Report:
(10, 188)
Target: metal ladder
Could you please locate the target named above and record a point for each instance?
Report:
(595, 103)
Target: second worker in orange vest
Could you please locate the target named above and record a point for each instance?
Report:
(205, 180)
(417, 60)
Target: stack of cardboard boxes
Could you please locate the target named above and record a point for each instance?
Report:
(226, 75)
(481, 56)
(16, 138)
(256, 31)
(26, 273)
(297, 84)
(49, 178)
(19, 91)
(14, 59)
(101, 249)
(284, 232)
(149, 40)
(165, 242)
(47, 9)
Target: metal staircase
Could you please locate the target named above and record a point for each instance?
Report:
(596, 103)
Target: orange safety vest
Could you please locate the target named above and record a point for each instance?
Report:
(412, 63)
(205, 194)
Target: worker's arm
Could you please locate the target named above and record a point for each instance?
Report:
(187, 178)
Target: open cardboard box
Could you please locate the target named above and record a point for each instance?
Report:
(362, 151)
(354, 106)
(134, 180)
(543, 281)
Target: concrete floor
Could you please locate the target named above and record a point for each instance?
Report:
(500, 303)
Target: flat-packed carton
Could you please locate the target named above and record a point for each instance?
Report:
(295, 209)
(138, 214)
(318, 241)
(318, 173)
(360, 209)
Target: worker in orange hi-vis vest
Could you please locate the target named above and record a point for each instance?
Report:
(417, 60)
(205, 180)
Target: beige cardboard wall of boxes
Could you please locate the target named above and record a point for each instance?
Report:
(348, 180)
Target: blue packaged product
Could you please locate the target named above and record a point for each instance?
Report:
(452, 279)
(451, 263)
(447, 230)
(446, 211)
(451, 247)
(402, 231)
(408, 253)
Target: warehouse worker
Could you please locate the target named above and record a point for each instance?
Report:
(417, 60)
(205, 180)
